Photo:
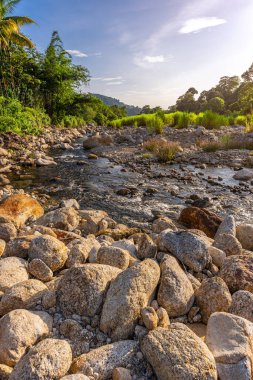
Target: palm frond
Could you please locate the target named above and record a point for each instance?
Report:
(8, 6)
(21, 40)
(21, 20)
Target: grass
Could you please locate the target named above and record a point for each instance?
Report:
(226, 142)
(164, 150)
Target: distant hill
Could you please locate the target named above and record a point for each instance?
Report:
(131, 110)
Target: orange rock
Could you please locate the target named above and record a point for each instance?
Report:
(201, 219)
(19, 208)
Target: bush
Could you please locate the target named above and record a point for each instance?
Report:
(9, 124)
(241, 120)
(155, 125)
(164, 150)
(212, 120)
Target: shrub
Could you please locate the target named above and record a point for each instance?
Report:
(212, 120)
(164, 150)
(155, 125)
(241, 120)
(9, 124)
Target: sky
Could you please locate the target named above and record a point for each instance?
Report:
(148, 51)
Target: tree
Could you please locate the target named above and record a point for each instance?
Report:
(216, 104)
(146, 109)
(248, 75)
(10, 26)
(187, 102)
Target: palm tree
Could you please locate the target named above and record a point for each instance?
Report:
(10, 32)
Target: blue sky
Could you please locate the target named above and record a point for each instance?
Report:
(148, 51)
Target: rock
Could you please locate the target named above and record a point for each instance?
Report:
(45, 162)
(12, 271)
(218, 256)
(227, 226)
(175, 293)
(163, 223)
(66, 219)
(82, 289)
(68, 203)
(149, 317)
(228, 244)
(50, 250)
(7, 231)
(177, 353)
(147, 249)
(49, 300)
(163, 318)
(243, 175)
(127, 245)
(237, 272)
(201, 219)
(96, 141)
(2, 247)
(24, 295)
(49, 359)
(229, 337)
(103, 360)
(121, 374)
(190, 249)
(91, 219)
(244, 233)
(212, 296)
(5, 372)
(78, 376)
(194, 281)
(40, 270)
(128, 294)
(80, 250)
(20, 330)
(242, 304)
(113, 256)
(19, 246)
(70, 329)
(19, 208)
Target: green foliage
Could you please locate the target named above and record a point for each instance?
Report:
(164, 150)
(241, 120)
(212, 120)
(216, 104)
(155, 124)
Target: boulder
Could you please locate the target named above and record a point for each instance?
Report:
(113, 256)
(242, 304)
(91, 220)
(24, 295)
(19, 208)
(147, 249)
(40, 270)
(190, 249)
(175, 293)
(149, 317)
(2, 247)
(5, 372)
(80, 250)
(66, 219)
(103, 360)
(218, 256)
(50, 250)
(244, 175)
(8, 231)
(177, 353)
(121, 374)
(228, 244)
(237, 272)
(49, 359)
(227, 226)
(82, 289)
(78, 376)
(20, 330)
(12, 271)
(163, 223)
(96, 141)
(131, 291)
(244, 233)
(201, 219)
(19, 246)
(229, 338)
(213, 295)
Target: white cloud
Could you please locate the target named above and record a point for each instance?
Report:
(108, 79)
(154, 59)
(77, 53)
(115, 83)
(148, 61)
(194, 25)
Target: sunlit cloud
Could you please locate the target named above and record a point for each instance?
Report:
(77, 53)
(195, 25)
(108, 79)
(148, 61)
(115, 83)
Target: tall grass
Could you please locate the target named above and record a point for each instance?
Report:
(226, 142)
(164, 150)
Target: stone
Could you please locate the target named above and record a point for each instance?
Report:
(176, 294)
(49, 300)
(147, 249)
(103, 360)
(70, 329)
(24, 295)
(242, 304)
(227, 226)
(19, 246)
(20, 330)
(237, 272)
(80, 250)
(19, 208)
(12, 271)
(7, 231)
(66, 219)
(163, 318)
(218, 256)
(40, 270)
(70, 203)
(190, 249)
(96, 141)
(149, 317)
(200, 219)
(127, 245)
(5, 372)
(194, 281)
(121, 374)
(244, 175)
(78, 376)
(212, 296)
(241, 370)
(177, 353)
(113, 256)
(91, 219)
(228, 244)
(131, 291)
(244, 233)
(229, 338)
(49, 359)
(163, 223)
(82, 289)
(50, 250)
